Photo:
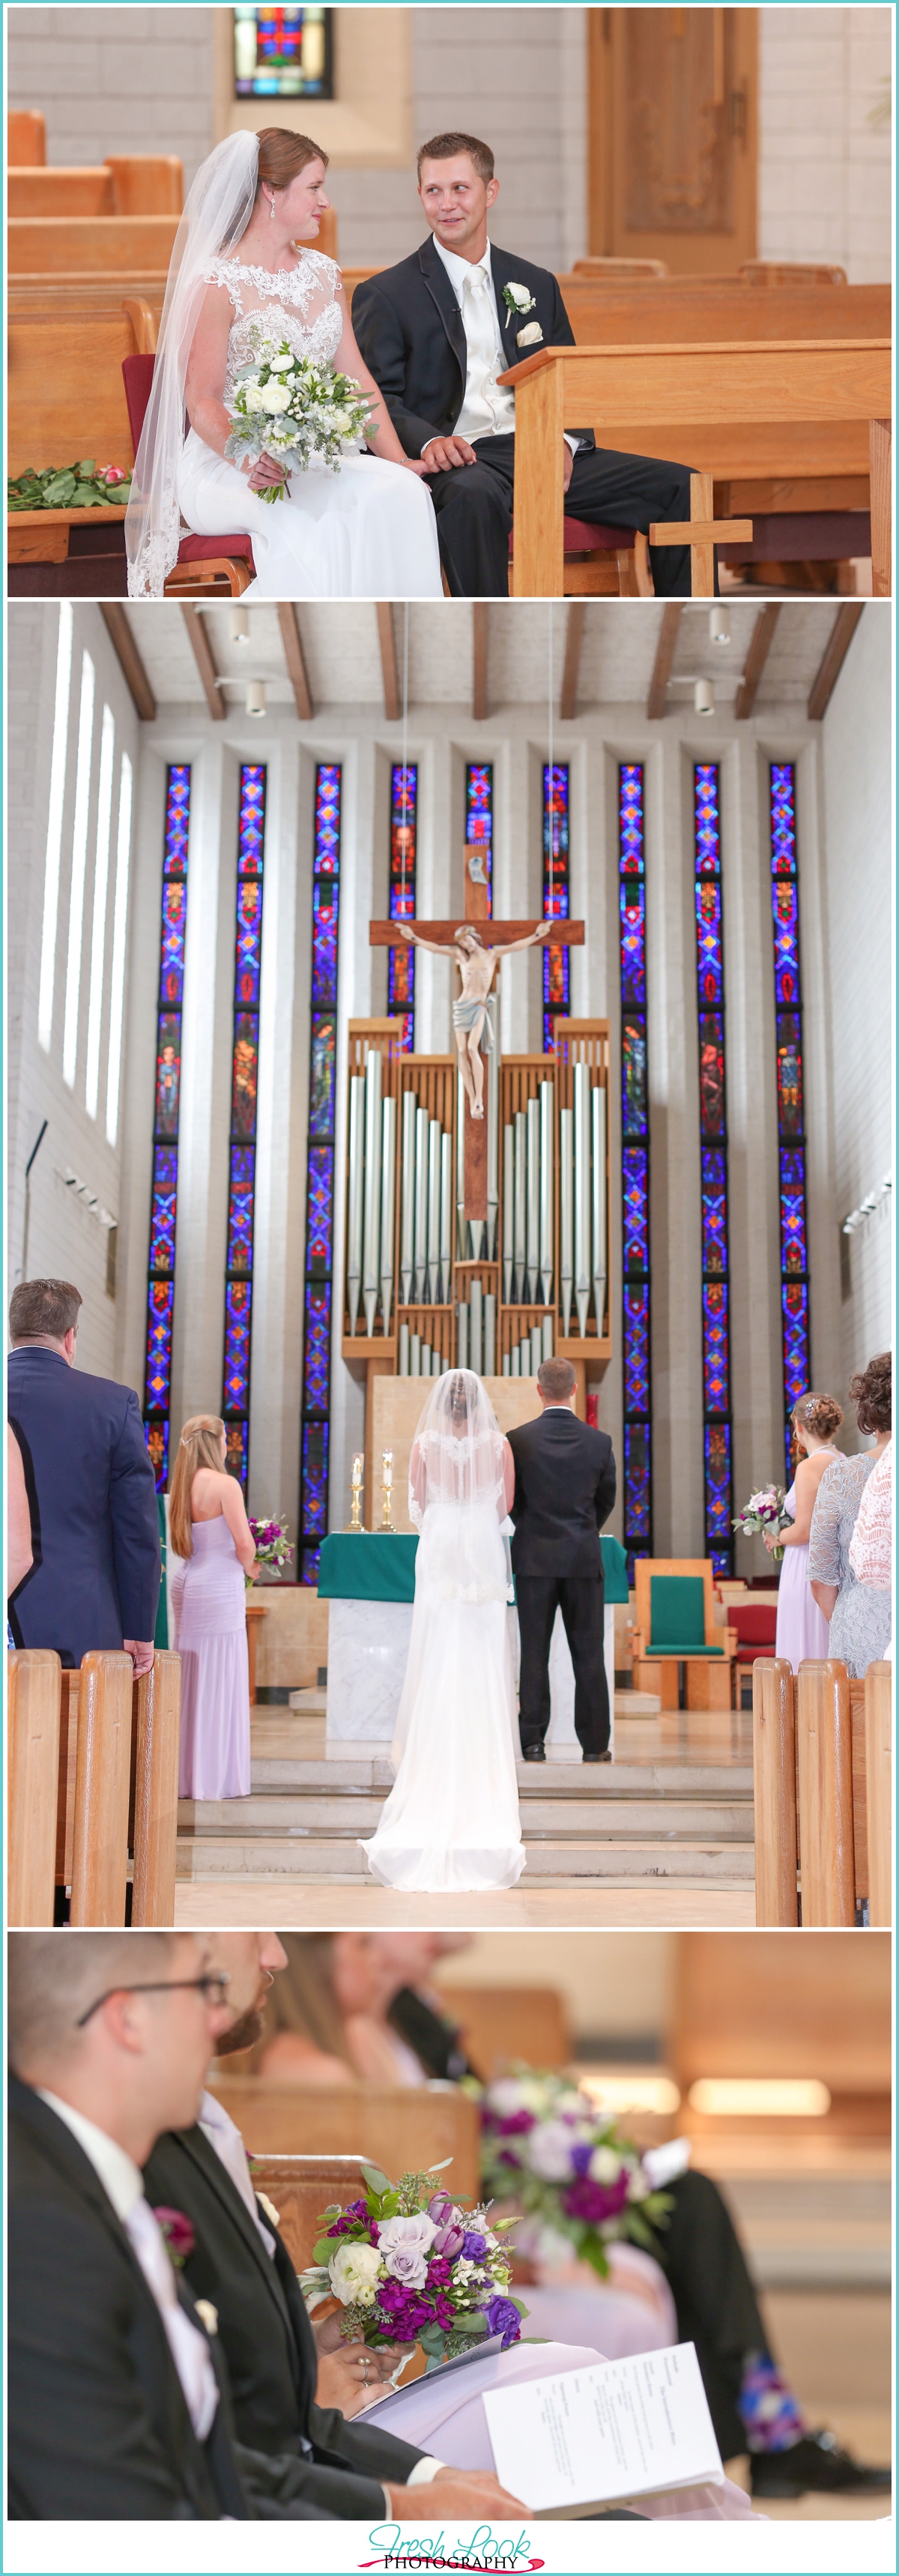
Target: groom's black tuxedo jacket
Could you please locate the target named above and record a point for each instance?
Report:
(411, 334)
(564, 1491)
(269, 2346)
(98, 2426)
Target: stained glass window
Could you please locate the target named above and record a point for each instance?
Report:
(282, 53)
(320, 1177)
(163, 1203)
(403, 846)
(479, 822)
(244, 1090)
(794, 1286)
(716, 1401)
(634, 1164)
(556, 897)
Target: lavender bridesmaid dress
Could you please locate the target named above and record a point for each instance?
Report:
(802, 1632)
(208, 1598)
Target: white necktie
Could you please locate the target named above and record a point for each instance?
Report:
(480, 333)
(189, 2349)
(218, 2126)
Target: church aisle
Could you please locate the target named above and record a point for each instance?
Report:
(325, 1909)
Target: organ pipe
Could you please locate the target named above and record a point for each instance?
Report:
(421, 1204)
(598, 1108)
(434, 1143)
(491, 1074)
(372, 1197)
(520, 1231)
(407, 1214)
(508, 1210)
(490, 1336)
(566, 1215)
(547, 1105)
(476, 1327)
(388, 1199)
(533, 1199)
(582, 1194)
(446, 1216)
(357, 1184)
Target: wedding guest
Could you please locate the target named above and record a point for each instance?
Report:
(211, 1536)
(438, 331)
(859, 1615)
(115, 2409)
(871, 1544)
(801, 1626)
(94, 1580)
(19, 1552)
(325, 2023)
(239, 2260)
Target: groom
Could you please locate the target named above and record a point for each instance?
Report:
(564, 1491)
(438, 330)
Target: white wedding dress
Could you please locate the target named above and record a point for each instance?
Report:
(451, 1821)
(366, 532)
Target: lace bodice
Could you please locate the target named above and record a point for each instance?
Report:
(300, 303)
(860, 1626)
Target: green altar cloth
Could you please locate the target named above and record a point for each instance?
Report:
(381, 1567)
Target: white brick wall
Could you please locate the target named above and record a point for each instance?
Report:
(824, 171)
(115, 80)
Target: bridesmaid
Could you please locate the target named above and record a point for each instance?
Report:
(210, 1533)
(802, 1633)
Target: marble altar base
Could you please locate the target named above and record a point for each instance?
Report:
(368, 1643)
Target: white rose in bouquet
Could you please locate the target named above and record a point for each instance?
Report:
(282, 361)
(353, 2271)
(275, 397)
(604, 2165)
(254, 398)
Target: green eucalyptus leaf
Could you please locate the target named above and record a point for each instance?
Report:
(374, 2179)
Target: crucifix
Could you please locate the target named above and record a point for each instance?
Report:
(478, 944)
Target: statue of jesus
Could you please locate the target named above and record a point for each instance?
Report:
(470, 1021)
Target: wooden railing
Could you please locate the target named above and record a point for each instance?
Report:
(93, 1776)
(822, 1753)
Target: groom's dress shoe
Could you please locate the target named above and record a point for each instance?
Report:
(597, 1757)
(532, 1753)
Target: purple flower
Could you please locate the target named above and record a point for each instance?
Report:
(441, 2208)
(178, 2233)
(349, 2217)
(503, 2319)
(580, 2157)
(595, 2201)
(517, 2124)
(450, 2241)
(474, 2247)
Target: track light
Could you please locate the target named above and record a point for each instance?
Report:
(240, 626)
(704, 698)
(255, 697)
(719, 625)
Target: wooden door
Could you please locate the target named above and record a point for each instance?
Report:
(674, 136)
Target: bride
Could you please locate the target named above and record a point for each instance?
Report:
(451, 1820)
(366, 532)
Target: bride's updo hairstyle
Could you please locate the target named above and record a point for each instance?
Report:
(199, 1446)
(283, 155)
(821, 1415)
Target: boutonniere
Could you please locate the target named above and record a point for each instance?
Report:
(178, 2233)
(269, 2207)
(518, 298)
(208, 2315)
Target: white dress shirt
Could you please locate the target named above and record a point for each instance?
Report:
(123, 2184)
(488, 409)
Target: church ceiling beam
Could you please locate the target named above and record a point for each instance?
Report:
(128, 657)
(833, 658)
(295, 660)
(574, 645)
(389, 672)
(665, 648)
(480, 646)
(760, 643)
(202, 652)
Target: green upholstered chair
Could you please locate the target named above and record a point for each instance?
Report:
(675, 1627)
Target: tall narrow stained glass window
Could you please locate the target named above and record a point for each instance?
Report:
(635, 1164)
(716, 1401)
(403, 844)
(556, 897)
(479, 821)
(244, 1095)
(320, 1176)
(161, 1262)
(794, 1283)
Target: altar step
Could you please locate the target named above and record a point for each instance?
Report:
(342, 1864)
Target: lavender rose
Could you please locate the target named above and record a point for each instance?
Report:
(404, 2245)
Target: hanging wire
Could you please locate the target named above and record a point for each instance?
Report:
(405, 741)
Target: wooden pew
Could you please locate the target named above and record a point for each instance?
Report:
(500, 2025)
(32, 1774)
(26, 138)
(93, 1775)
(879, 1766)
(402, 2131)
(301, 2188)
(90, 245)
(609, 267)
(143, 183)
(735, 409)
(790, 272)
(824, 1791)
(774, 1792)
(155, 1738)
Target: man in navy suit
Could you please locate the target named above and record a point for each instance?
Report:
(438, 331)
(94, 1580)
(564, 1491)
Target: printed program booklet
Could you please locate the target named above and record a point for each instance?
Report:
(611, 2433)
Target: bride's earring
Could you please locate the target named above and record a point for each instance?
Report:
(271, 210)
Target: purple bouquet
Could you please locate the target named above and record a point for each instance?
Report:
(577, 2182)
(272, 1544)
(409, 2266)
(765, 1511)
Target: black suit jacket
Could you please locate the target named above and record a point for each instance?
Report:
(94, 1517)
(564, 1491)
(269, 2346)
(98, 2426)
(411, 334)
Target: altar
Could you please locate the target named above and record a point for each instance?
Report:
(368, 1578)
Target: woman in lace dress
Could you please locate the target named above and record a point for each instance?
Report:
(366, 531)
(859, 1615)
(451, 1820)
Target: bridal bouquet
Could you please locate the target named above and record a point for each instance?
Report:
(273, 1546)
(765, 1511)
(408, 2266)
(292, 410)
(579, 2184)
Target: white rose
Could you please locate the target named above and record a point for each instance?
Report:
(353, 2271)
(604, 2165)
(341, 421)
(275, 397)
(282, 363)
(254, 399)
(524, 339)
(520, 295)
(548, 2151)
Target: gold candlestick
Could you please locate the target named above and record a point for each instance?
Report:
(356, 1522)
(386, 1489)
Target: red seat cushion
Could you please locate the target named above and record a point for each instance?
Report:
(137, 373)
(756, 1626)
(586, 537)
(201, 549)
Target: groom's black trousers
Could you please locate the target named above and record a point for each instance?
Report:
(581, 1599)
(474, 513)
